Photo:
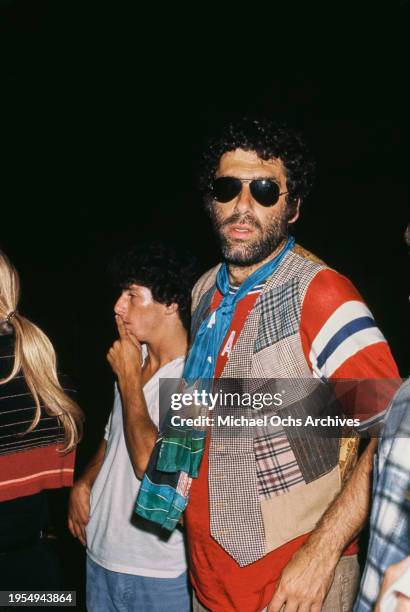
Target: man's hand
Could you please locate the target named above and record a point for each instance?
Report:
(304, 582)
(125, 355)
(125, 358)
(392, 574)
(79, 510)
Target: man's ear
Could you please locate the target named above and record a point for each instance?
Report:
(172, 308)
(295, 216)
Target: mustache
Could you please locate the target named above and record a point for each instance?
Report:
(240, 220)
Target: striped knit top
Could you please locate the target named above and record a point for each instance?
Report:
(29, 461)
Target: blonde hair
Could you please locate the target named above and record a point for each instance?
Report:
(35, 357)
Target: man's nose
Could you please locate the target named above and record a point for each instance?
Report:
(244, 201)
(120, 306)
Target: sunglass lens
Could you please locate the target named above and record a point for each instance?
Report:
(265, 191)
(226, 188)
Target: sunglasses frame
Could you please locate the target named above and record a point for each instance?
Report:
(250, 181)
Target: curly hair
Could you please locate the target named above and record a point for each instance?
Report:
(268, 139)
(167, 271)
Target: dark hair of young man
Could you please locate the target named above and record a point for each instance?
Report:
(169, 273)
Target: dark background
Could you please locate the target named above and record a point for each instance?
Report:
(103, 118)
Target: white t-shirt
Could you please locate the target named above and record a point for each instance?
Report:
(115, 538)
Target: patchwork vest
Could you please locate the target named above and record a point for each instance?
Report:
(266, 490)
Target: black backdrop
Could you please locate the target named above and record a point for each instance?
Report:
(101, 136)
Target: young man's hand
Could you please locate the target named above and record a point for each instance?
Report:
(125, 355)
(79, 510)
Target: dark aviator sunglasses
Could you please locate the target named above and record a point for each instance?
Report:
(264, 190)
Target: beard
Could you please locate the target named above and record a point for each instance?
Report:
(244, 253)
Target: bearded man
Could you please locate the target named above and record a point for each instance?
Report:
(272, 520)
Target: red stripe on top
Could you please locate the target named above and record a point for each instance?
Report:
(325, 294)
(33, 470)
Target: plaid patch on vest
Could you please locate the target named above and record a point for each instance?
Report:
(279, 319)
(276, 465)
(235, 514)
(317, 452)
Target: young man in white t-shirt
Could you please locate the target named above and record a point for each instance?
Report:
(131, 565)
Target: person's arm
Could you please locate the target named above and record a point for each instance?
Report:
(79, 503)
(308, 576)
(140, 432)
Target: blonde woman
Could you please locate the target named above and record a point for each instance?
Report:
(40, 426)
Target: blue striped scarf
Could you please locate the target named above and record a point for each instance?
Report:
(203, 355)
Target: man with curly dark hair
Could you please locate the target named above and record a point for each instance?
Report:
(130, 567)
(257, 144)
(272, 519)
